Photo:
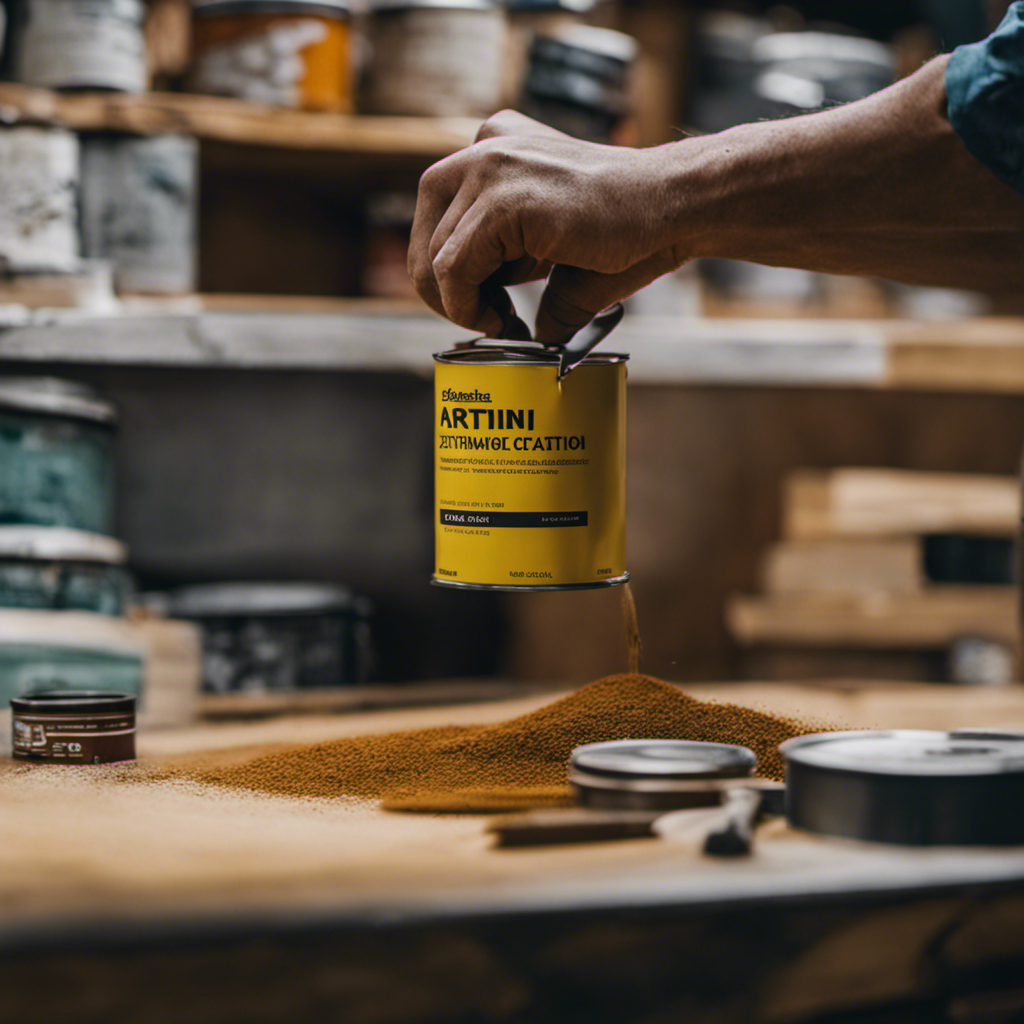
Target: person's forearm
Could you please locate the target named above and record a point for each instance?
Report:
(882, 187)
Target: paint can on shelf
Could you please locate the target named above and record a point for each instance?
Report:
(290, 53)
(577, 80)
(83, 44)
(278, 635)
(139, 208)
(57, 450)
(436, 58)
(47, 567)
(38, 201)
(530, 469)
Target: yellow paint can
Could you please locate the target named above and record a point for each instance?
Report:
(529, 469)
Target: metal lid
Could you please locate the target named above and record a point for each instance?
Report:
(55, 397)
(217, 600)
(60, 544)
(506, 353)
(629, 761)
(216, 8)
(905, 752)
(602, 42)
(441, 5)
(516, 347)
(74, 702)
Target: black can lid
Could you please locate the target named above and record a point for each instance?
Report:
(630, 760)
(910, 752)
(72, 702)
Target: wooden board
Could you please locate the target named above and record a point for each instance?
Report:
(935, 617)
(229, 120)
(173, 671)
(984, 355)
(886, 502)
(857, 566)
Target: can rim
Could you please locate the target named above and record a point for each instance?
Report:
(829, 752)
(438, 581)
(658, 763)
(516, 356)
(62, 702)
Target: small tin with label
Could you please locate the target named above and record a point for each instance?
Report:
(73, 727)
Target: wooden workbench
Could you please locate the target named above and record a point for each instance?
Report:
(202, 904)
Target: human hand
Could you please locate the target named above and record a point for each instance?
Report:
(526, 202)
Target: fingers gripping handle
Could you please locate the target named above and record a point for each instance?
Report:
(574, 351)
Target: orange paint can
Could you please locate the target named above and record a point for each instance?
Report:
(288, 53)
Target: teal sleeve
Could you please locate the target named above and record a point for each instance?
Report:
(985, 95)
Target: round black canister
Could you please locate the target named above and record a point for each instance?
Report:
(73, 727)
(916, 788)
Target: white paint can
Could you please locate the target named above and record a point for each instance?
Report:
(139, 210)
(439, 58)
(38, 208)
(83, 44)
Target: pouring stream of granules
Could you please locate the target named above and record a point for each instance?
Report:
(509, 765)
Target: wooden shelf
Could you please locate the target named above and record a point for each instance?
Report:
(860, 502)
(370, 334)
(933, 618)
(228, 120)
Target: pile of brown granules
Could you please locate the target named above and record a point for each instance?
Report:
(513, 764)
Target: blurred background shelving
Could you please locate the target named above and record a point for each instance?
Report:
(301, 452)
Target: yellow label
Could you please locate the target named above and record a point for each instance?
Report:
(530, 474)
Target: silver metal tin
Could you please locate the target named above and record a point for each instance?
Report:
(656, 774)
(918, 788)
(139, 200)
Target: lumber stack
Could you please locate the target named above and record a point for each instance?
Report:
(893, 571)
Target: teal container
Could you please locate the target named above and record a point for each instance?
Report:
(33, 667)
(57, 569)
(41, 650)
(56, 455)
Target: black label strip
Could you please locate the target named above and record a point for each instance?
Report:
(465, 517)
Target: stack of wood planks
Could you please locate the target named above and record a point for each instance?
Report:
(898, 563)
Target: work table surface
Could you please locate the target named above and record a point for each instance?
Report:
(127, 900)
(86, 842)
